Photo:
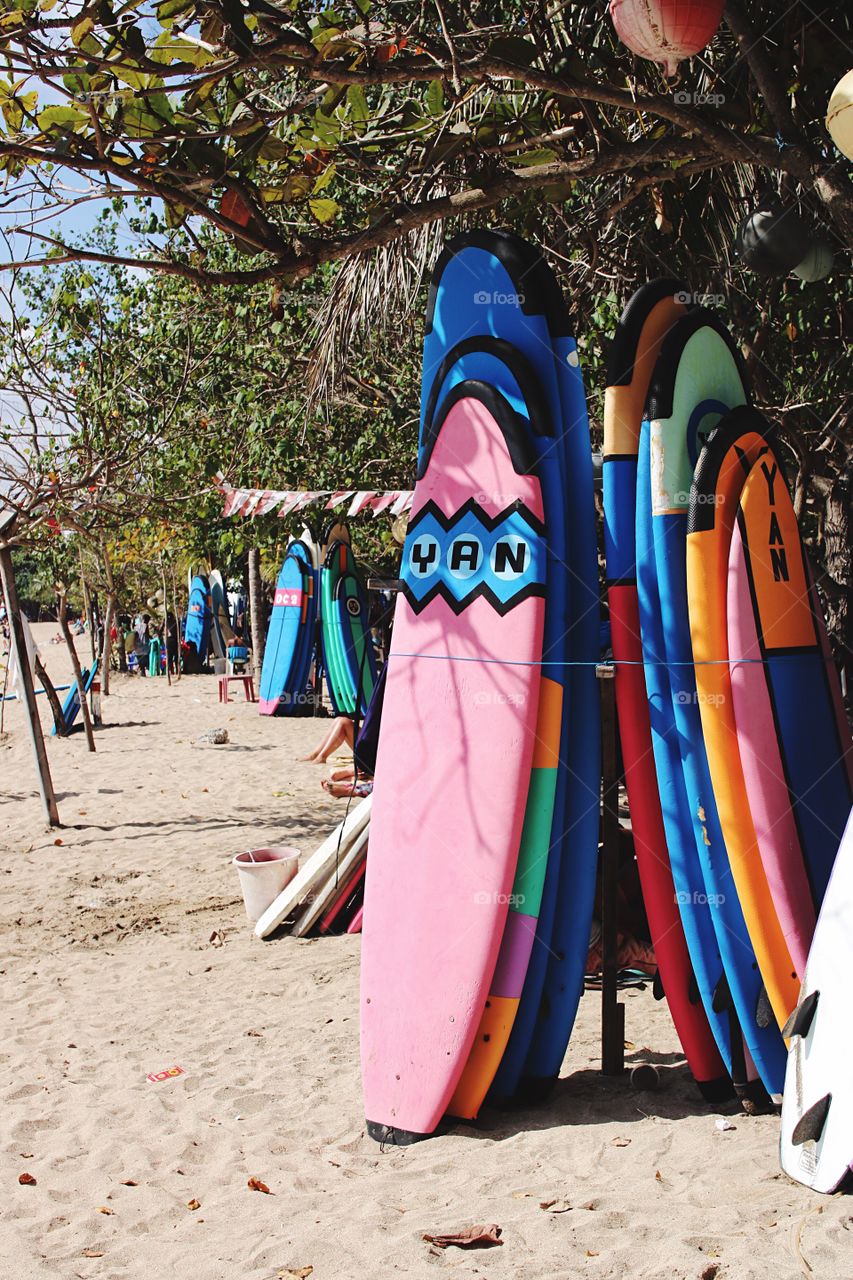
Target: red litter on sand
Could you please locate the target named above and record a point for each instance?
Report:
(168, 1074)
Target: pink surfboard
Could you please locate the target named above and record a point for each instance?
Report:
(454, 758)
(763, 769)
(354, 925)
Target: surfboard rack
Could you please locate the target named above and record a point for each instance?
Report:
(612, 1011)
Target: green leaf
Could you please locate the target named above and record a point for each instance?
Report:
(514, 49)
(324, 210)
(357, 101)
(435, 98)
(67, 117)
(325, 178)
(172, 8)
(527, 158)
(81, 28)
(181, 48)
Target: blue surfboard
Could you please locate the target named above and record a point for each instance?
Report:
(199, 616)
(686, 870)
(353, 623)
(71, 705)
(290, 631)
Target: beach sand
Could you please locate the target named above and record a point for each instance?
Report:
(125, 950)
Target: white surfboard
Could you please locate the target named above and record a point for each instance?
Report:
(315, 871)
(816, 1144)
(323, 897)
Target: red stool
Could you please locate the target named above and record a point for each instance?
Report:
(248, 683)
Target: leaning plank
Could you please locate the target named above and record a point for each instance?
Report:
(323, 896)
(315, 870)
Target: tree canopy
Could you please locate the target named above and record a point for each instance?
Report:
(310, 134)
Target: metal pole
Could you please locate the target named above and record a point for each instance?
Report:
(612, 1012)
(19, 648)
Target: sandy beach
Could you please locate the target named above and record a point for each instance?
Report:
(125, 950)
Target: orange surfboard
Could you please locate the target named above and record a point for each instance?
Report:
(724, 464)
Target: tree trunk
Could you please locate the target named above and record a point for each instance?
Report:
(836, 582)
(75, 666)
(256, 610)
(166, 622)
(87, 608)
(177, 625)
(31, 715)
(52, 697)
(112, 610)
(107, 646)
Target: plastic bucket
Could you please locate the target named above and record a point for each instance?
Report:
(263, 874)
(219, 666)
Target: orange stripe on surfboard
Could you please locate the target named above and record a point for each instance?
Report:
(485, 1057)
(549, 722)
(779, 580)
(625, 403)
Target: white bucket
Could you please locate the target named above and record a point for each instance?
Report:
(263, 874)
(220, 666)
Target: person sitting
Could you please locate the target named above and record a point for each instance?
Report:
(357, 779)
(346, 782)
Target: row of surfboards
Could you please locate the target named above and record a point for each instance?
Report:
(737, 751)
(208, 625)
(484, 830)
(319, 609)
(737, 754)
(327, 894)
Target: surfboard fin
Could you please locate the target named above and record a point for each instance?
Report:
(801, 1019)
(810, 1125)
(657, 986)
(389, 1135)
(764, 1015)
(693, 989)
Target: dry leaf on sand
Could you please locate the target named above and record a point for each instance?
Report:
(294, 1273)
(256, 1185)
(193, 1204)
(480, 1237)
(555, 1206)
(27, 1180)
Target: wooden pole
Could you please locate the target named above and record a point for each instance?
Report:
(112, 612)
(88, 611)
(75, 666)
(166, 620)
(256, 610)
(177, 618)
(31, 715)
(612, 1012)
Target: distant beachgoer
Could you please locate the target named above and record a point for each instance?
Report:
(172, 643)
(140, 648)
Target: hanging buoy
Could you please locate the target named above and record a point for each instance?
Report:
(774, 241)
(839, 115)
(817, 263)
(666, 31)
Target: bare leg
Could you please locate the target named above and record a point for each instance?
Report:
(340, 732)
